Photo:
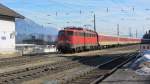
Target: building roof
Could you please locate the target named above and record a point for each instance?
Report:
(5, 11)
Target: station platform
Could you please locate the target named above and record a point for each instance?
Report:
(127, 75)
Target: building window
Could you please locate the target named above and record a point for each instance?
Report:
(3, 38)
(12, 35)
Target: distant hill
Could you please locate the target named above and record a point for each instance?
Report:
(27, 28)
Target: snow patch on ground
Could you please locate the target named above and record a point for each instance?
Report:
(143, 71)
(141, 65)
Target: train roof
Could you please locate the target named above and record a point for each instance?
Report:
(119, 36)
(78, 29)
(88, 30)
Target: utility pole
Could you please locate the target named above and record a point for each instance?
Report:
(133, 9)
(118, 32)
(130, 34)
(95, 30)
(107, 10)
(136, 33)
(94, 23)
(56, 13)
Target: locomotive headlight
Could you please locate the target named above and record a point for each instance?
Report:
(67, 41)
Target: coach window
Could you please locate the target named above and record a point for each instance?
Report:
(147, 47)
(143, 47)
(81, 34)
(87, 34)
(78, 33)
(75, 33)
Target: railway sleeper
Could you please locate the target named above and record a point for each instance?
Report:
(96, 71)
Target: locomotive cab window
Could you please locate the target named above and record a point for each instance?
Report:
(69, 33)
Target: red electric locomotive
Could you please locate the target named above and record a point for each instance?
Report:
(76, 39)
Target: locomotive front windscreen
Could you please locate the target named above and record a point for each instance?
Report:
(61, 33)
(69, 33)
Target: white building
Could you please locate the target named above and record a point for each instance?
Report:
(7, 29)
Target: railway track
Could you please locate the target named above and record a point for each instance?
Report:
(32, 72)
(97, 74)
(22, 60)
(67, 76)
(18, 76)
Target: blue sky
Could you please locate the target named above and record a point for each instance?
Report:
(134, 14)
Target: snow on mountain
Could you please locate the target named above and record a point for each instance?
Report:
(29, 27)
(26, 27)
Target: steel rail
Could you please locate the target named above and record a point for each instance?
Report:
(100, 72)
